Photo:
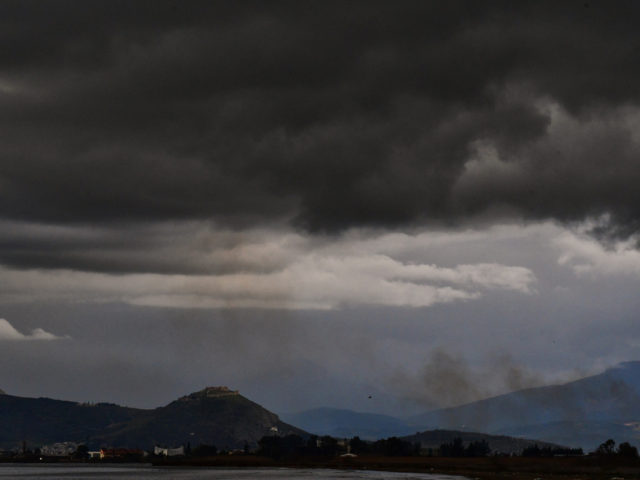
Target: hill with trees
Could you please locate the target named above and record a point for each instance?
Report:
(213, 416)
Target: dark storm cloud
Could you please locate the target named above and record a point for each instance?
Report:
(150, 248)
(327, 115)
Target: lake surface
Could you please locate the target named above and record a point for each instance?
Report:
(126, 472)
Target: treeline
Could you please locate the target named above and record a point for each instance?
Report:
(290, 447)
(608, 449)
(457, 449)
(388, 447)
(294, 445)
(536, 451)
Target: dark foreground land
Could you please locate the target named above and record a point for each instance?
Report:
(484, 468)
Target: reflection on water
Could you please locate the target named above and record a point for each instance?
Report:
(126, 472)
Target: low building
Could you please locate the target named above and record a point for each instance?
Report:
(59, 449)
(168, 452)
(120, 453)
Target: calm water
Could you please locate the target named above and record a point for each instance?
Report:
(126, 472)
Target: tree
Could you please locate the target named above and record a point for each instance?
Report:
(478, 449)
(453, 449)
(627, 450)
(81, 452)
(606, 448)
(532, 451)
(358, 446)
(328, 446)
(393, 447)
(278, 447)
(204, 451)
(536, 451)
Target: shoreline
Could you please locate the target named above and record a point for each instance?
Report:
(482, 468)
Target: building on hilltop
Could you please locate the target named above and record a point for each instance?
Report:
(211, 392)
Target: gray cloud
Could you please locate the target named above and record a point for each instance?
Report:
(325, 115)
(192, 267)
(311, 169)
(163, 248)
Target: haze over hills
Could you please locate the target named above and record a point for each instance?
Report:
(347, 423)
(213, 416)
(497, 443)
(368, 426)
(582, 413)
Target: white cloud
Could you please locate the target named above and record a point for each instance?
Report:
(355, 269)
(9, 332)
(589, 258)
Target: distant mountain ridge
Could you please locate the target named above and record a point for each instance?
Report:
(497, 443)
(344, 423)
(213, 416)
(582, 413)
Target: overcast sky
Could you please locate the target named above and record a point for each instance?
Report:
(317, 202)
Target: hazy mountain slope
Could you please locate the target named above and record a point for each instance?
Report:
(498, 443)
(586, 434)
(611, 398)
(347, 423)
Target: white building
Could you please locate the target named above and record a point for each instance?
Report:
(60, 449)
(168, 452)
